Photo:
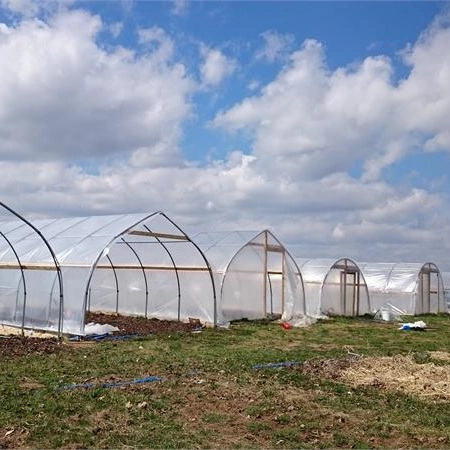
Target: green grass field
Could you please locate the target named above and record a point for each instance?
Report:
(211, 395)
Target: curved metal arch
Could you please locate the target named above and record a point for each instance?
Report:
(55, 260)
(360, 273)
(174, 266)
(143, 273)
(101, 253)
(299, 273)
(225, 272)
(88, 306)
(117, 282)
(115, 238)
(204, 259)
(22, 277)
(266, 232)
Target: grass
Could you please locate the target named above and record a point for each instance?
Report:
(212, 396)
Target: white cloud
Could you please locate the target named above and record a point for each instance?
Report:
(115, 29)
(215, 67)
(89, 131)
(276, 46)
(311, 122)
(64, 97)
(33, 8)
(156, 39)
(179, 7)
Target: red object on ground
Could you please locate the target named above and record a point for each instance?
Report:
(286, 326)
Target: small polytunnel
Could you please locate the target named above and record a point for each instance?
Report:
(131, 264)
(409, 288)
(255, 275)
(334, 287)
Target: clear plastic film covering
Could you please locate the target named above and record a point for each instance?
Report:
(446, 287)
(30, 282)
(314, 272)
(334, 287)
(257, 276)
(132, 264)
(412, 288)
(344, 290)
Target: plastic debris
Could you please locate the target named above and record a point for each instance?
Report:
(69, 387)
(286, 325)
(272, 365)
(415, 326)
(99, 329)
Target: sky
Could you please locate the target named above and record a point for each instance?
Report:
(326, 122)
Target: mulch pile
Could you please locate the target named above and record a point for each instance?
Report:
(133, 326)
(23, 345)
(140, 325)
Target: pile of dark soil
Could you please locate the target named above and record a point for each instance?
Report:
(23, 345)
(130, 325)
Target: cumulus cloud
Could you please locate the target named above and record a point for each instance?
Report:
(33, 8)
(89, 131)
(179, 7)
(311, 122)
(62, 95)
(276, 46)
(215, 67)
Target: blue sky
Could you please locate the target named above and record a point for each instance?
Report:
(325, 121)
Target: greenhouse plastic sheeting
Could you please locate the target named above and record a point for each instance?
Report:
(313, 273)
(334, 287)
(446, 283)
(139, 264)
(29, 298)
(412, 288)
(255, 275)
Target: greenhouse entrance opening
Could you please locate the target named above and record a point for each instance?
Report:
(349, 292)
(344, 290)
(256, 276)
(274, 262)
(430, 289)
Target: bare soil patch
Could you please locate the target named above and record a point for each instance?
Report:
(328, 368)
(13, 437)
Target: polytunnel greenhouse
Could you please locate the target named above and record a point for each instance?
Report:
(407, 288)
(446, 282)
(255, 276)
(334, 287)
(55, 270)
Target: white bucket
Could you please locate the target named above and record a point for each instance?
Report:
(385, 314)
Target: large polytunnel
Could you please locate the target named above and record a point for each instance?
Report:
(255, 275)
(131, 264)
(410, 288)
(334, 287)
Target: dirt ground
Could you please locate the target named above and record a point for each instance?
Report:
(13, 345)
(23, 345)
